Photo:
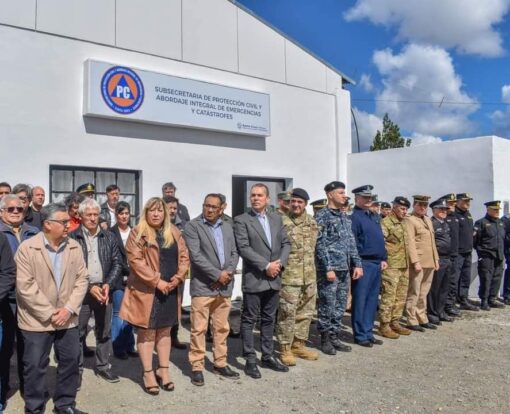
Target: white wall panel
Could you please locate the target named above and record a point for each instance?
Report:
(303, 69)
(19, 13)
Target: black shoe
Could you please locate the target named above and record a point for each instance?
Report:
(376, 341)
(438, 322)
(465, 305)
(428, 325)
(416, 328)
(452, 312)
(446, 318)
(274, 364)
(326, 345)
(226, 372)
(123, 355)
(108, 376)
(494, 304)
(133, 354)
(252, 370)
(338, 344)
(68, 410)
(197, 378)
(485, 306)
(366, 344)
(178, 344)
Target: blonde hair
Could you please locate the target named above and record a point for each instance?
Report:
(145, 229)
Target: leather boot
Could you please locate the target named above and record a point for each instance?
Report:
(299, 349)
(326, 345)
(338, 344)
(398, 328)
(286, 356)
(387, 332)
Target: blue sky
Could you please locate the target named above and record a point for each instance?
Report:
(407, 56)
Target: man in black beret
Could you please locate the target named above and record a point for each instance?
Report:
(385, 209)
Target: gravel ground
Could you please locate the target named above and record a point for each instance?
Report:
(463, 367)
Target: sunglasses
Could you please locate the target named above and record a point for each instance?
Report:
(14, 209)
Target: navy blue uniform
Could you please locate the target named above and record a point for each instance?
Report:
(465, 250)
(369, 237)
(506, 284)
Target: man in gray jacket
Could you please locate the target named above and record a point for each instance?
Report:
(214, 257)
(264, 247)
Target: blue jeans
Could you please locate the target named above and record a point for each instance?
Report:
(123, 338)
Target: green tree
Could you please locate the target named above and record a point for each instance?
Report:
(389, 137)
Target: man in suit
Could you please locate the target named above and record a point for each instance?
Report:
(214, 257)
(264, 247)
(424, 261)
(51, 283)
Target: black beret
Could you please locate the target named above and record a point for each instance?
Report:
(439, 203)
(401, 201)
(333, 185)
(86, 188)
(384, 204)
(496, 204)
(364, 190)
(300, 193)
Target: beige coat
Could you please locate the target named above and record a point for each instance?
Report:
(422, 245)
(36, 291)
(144, 276)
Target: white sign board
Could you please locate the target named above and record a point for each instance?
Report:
(120, 92)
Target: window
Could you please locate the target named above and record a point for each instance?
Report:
(241, 191)
(66, 179)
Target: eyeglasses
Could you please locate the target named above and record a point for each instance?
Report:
(14, 209)
(64, 223)
(211, 207)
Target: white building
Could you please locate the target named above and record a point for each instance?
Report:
(44, 47)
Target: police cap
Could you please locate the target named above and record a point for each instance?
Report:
(439, 203)
(385, 204)
(450, 197)
(86, 188)
(464, 196)
(333, 185)
(401, 201)
(495, 205)
(364, 190)
(300, 193)
(421, 198)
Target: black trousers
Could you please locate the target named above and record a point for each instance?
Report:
(102, 330)
(464, 269)
(11, 335)
(266, 304)
(438, 293)
(453, 283)
(490, 271)
(506, 283)
(35, 364)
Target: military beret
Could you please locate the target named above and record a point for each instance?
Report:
(300, 193)
(333, 185)
(439, 203)
(401, 201)
(464, 196)
(450, 197)
(384, 204)
(364, 190)
(421, 198)
(86, 188)
(284, 195)
(495, 205)
(319, 204)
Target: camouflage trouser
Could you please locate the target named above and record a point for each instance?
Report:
(393, 294)
(332, 301)
(297, 304)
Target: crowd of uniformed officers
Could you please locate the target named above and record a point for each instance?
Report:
(409, 270)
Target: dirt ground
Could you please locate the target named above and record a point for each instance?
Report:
(463, 367)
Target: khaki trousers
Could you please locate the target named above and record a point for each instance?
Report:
(416, 304)
(218, 308)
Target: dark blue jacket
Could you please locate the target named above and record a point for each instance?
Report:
(367, 230)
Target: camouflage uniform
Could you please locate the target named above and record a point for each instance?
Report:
(336, 251)
(297, 296)
(395, 278)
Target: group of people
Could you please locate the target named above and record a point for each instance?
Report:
(62, 263)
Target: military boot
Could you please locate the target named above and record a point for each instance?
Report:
(286, 356)
(398, 328)
(338, 344)
(387, 332)
(299, 349)
(326, 345)
(485, 305)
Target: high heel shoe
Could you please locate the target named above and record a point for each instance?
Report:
(169, 386)
(152, 390)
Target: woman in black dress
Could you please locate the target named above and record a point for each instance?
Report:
(159, 261)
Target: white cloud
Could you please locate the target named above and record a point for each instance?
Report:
(505, 93)
(423, 74)
(501, 119)
(368, 124)
(467, 25)
(421, 139)
(366, 83)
